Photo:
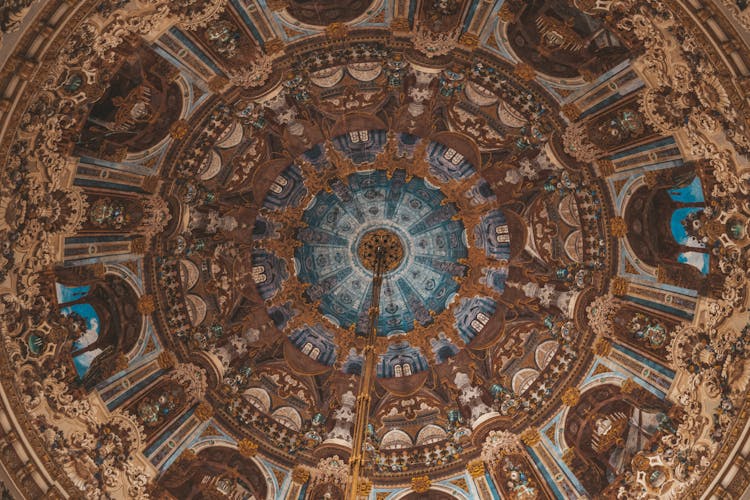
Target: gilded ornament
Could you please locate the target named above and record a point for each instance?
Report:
(277, 5)
(138, 245)
(461, 484)
(217, 84)
(378, 238)
(652, 178)
(420, 484)
(119, 154)
(365, 486)
(530, 437)
(662, 274)
(469, 39)
(204, 411)
(150, 26)
(274, 46)
(570, 110)
(179, 129)
(121, 363)
(300, 474)
(571, 396)
(253, 74)
(587, 74)
(576, 143)
(714, 229)
(506, 15)
(337, 31)
(188, 455)
(146, 304)
(166, 360)
(249, 449)
(618, 227)
(628, 386)
(569, 456)
(50, 495)
(193, 18)
(601, 369)
(606, 167)
(619, 285)
(525, 71)
(434, 44)
(498, 444)
(640, 462)
(98, 270)
(150, 183)
(602, 347)
(476, 468)
(400, 24)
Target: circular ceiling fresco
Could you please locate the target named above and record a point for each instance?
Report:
(196, 196)
(342, 231)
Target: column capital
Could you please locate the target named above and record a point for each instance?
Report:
(530, 437)
(476, 468)
(420, 484)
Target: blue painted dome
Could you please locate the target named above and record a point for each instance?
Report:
(419, 287)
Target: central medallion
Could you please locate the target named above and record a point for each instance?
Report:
(423, 238)
(391, 244)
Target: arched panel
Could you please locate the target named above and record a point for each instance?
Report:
(430, 433)
(523, 379)
(259, 398)
(289, 417)
(395, 439)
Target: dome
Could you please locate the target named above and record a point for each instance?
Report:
(196, 308)
(189, 274)
(293, 248)
(259, 398)
(544, 353)
(523, 379)
(574, 246)
(430, 434)
(395, 439)
(289, 417)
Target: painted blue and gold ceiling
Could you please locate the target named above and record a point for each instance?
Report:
(193, 195)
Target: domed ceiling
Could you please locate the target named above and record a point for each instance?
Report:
(469, 250)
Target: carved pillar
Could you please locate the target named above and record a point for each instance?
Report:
(265, 30)
(539, 449)
(648, 371)
(116, 223)
(171, 410)
(482, 481)
(611, 128)
(300, 477)
(613, 85)
(80, 252)
(167, 446)
(236, 347)
(477, 21)
(470, 396)
(172, 42)
(564, 300)
(123, 386)
(614, 353)
(659, 153)
(657, 298)
(102, 174)
(343, 420)
(401, 21)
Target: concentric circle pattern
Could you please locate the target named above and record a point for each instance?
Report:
(196, 197)
(380, 250)
(418, 214)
